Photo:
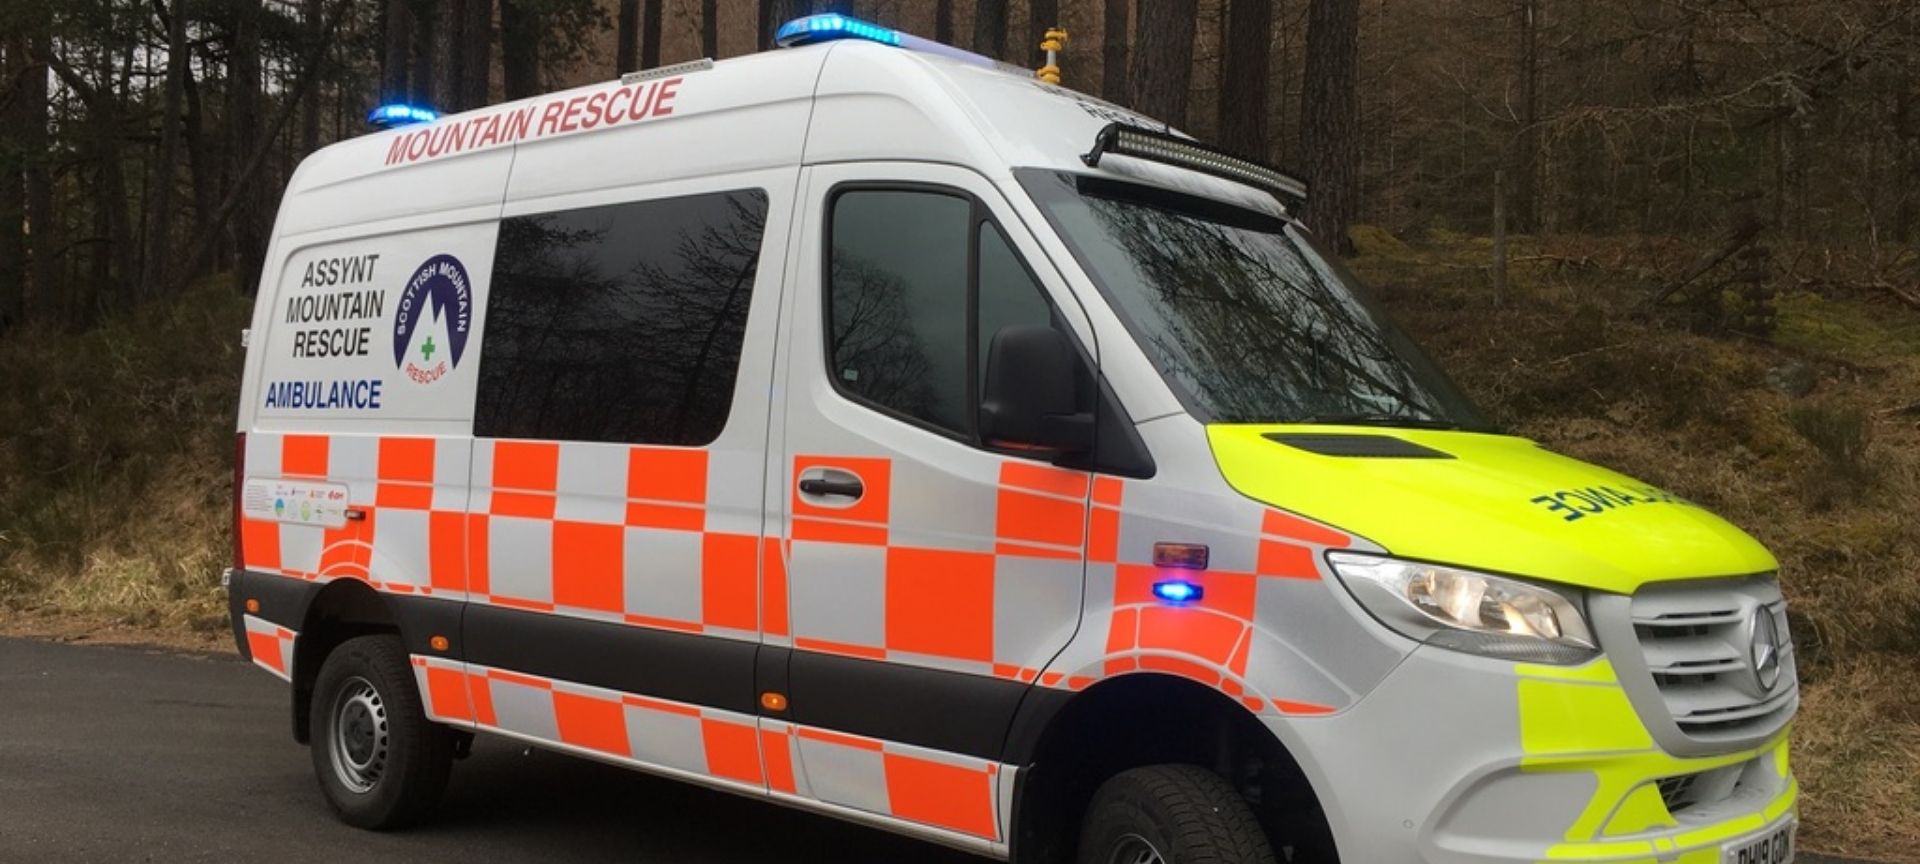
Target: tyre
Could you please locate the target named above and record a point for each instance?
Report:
(380, 763)
(1171, 814)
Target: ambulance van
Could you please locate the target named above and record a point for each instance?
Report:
(873, 429)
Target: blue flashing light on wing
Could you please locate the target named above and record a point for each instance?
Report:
(1177, 591)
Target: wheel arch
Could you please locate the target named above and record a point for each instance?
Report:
(1067, 747)
(342, 610)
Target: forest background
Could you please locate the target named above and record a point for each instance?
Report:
(1679, 237)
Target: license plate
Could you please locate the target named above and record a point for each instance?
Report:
(1773, 847)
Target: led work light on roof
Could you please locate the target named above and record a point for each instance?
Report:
(397, 114)
(829, 26)
(1119, 139)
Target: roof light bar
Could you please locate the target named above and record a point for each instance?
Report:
(399, 114)
(829, 26)
(1120, 139)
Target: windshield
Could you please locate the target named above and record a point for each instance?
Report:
(1244, 317)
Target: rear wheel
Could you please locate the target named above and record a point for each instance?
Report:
(380, 762)
(1171, 814)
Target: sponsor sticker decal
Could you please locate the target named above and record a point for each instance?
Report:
(296, 502)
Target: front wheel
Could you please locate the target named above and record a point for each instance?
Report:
(1171, 814)
(380, 762)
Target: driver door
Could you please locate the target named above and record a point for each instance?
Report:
(929, 576)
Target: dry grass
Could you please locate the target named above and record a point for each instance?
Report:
(115, 462)
(1830, 481)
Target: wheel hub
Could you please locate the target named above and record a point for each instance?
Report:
(1135, 849)
(359, 744)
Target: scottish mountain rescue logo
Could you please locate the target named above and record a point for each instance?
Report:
(433, 318)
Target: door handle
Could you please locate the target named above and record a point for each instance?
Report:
(843, 487)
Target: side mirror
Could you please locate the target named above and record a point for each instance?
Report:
(1031, 399)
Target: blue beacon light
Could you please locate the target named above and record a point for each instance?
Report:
(827, 27)
(1177, 591)
(400, 114)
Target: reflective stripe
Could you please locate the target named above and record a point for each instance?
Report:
(270, 645)
(945, 790)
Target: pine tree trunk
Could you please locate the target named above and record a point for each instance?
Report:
(650, 35)
(201, 172)
(451, 67)
(1330, 120)
(990, 28)
(111, 257)
(1243, 78)
(397, 41)
(425, 23)
(710, 28)
(244, 127)
(1113, 50)
(310, 12)
(520, 47)
(13, 186)
(1042, 16)
(42, 294)
(1907, 158)
(1526, 157)
(943, 21)
(476, 54)
(153, 275)
(626, 49)
(774, 13)
(1162, 69)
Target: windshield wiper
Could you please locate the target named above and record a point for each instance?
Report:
(1399, 420)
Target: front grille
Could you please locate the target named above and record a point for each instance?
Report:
(1697, 641)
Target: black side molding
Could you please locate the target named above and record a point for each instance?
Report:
(683, 667)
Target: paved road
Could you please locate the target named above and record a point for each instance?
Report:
(121, 755)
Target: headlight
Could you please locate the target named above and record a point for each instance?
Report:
(1468, 611)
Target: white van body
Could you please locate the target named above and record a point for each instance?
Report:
(905, 656)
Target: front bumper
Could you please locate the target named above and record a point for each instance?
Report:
(1456, 759)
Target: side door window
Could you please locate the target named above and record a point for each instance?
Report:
(613, 550)
(923, 564)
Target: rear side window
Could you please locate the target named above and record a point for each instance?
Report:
(620, 323)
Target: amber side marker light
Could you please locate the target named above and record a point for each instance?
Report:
(773, 701)
(253, 606)
(1186, 556)
(438, 643)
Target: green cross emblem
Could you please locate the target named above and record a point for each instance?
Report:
(426, 349)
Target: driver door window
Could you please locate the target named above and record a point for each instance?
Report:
(919, 282)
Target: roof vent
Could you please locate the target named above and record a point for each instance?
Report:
(1351, 445)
